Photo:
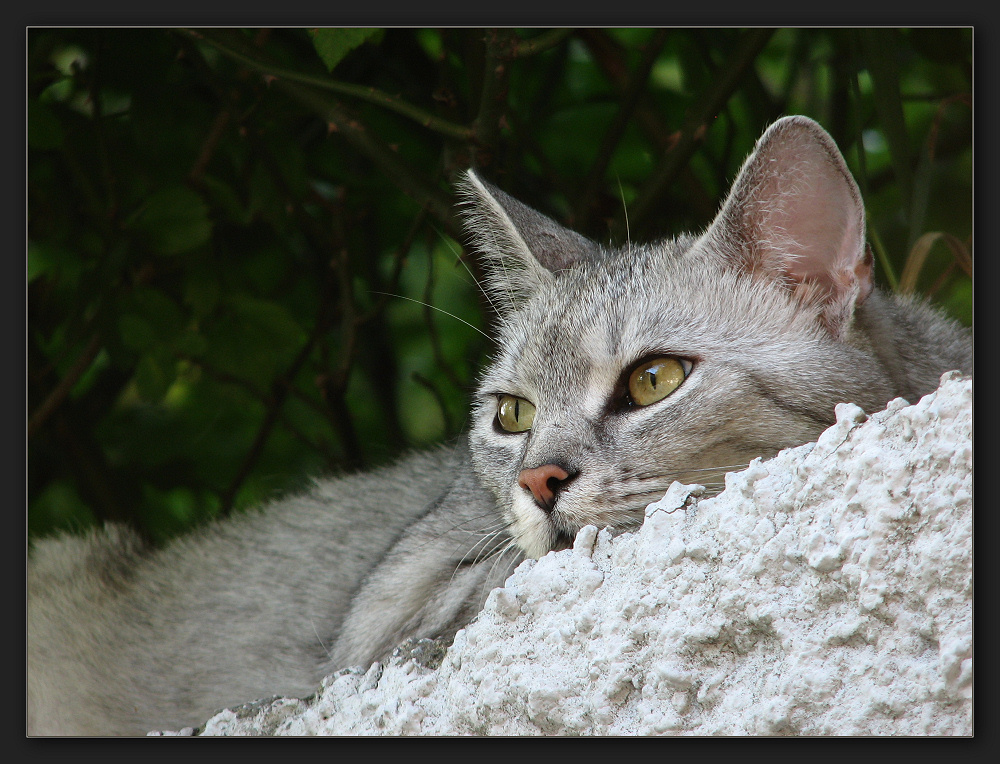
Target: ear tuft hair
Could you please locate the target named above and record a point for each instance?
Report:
(522, 249)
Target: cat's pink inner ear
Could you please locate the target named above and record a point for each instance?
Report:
(797, 216)
(809, 218)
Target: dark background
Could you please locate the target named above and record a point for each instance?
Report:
(217, 219)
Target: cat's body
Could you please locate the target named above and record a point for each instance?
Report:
(252, 606)
(616, 373)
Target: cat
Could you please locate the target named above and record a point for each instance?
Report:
(615, 372)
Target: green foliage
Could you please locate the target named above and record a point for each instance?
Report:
(243, 262)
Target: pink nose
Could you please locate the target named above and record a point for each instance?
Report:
(538, 481)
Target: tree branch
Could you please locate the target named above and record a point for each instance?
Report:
(279, 394)
(493, 96)
(611, 60)
(361, 92)
(648, 120)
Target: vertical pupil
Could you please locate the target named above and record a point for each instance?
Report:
(517, 409)
(652, 378)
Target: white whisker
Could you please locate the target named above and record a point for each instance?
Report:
(434, 307)
(509, 546)
(621, 192)
(319, 639)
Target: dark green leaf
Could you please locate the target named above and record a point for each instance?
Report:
(136, 332)
(253, 339)
(333, 44)
(173, 220)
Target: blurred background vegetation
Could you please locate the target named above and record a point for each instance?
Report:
(232, 232)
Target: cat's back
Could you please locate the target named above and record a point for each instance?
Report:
(914, 342)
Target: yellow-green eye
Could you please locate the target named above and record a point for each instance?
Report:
(654, 380)
(515, 414)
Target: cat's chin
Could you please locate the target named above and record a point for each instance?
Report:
(537, 532)
(534, 531)
(536, 549)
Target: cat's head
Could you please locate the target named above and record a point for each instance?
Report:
(618, 371)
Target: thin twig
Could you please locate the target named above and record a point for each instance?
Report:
(544, 41)
(333, 379)
(231, 379)
(421, 380)
(279, 394)
(399, 257)
(630, 99)
(706, 106)
(610, 58)
(143, 275)
(285, 384)
(493, 96)
(224, 376)
(66, 384)
(321, 447)
(209, 146)
(102, 490)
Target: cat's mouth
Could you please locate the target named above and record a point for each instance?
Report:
(539, 531)
(563, 540)
(562, 532)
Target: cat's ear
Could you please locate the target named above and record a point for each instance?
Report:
(522, 249)
(795, 214)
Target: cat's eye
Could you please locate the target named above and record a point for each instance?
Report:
(515, 414)
(653, 380)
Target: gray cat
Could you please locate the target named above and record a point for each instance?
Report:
(616, 372)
